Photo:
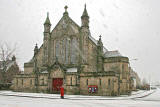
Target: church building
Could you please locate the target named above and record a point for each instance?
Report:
(71, 58)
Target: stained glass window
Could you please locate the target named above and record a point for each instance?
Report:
(67, 51)
(63, 50)
(57, 49)
(74, 49)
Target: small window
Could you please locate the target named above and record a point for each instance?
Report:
(109, 82)
(71, 81)
(17, 81)
(35, 82)
(42, 81)
(22, 81)
(87, 81)
(31, 82)
(76, 80)
(100, 82)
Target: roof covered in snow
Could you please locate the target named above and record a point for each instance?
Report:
(72, 70)
(45, 71)
(95, 41)
(115, 53)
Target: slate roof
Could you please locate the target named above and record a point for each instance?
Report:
(96, 41)
(115, 53)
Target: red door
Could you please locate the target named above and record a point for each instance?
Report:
(57, 83)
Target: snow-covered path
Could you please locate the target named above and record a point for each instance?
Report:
(77, 100)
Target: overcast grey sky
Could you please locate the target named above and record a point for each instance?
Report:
(130, 26)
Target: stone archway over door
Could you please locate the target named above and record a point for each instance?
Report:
(57, 78)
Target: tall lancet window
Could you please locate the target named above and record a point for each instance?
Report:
(63, 50)
(74, 51)
(67, 51)
(57, 49)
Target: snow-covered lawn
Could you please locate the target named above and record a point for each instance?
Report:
(53, 100)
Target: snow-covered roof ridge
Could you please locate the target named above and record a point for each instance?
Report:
(72, 70)
(96, 41)
(114, 53)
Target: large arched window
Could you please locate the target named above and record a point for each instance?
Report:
(74, 47)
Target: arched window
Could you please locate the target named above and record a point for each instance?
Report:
(67, 51)
(100, 82)
(17, 81)
(123, 72)
(71, 81)
(87, 82)
(63, 50)
(57, 49)
(109, 82)
(74, 47)
(22, 81)
(42, 81)
(30, 81)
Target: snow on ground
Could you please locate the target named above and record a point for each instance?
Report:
(75, 97)
(153, 97)
(78, 100)
(12, 101)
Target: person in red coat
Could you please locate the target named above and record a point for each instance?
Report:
(62, 92)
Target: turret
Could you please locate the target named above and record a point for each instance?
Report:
(85, 33)
(46, 40)
(100, 45)
(100, 55)
(85, 18)
(47, 25)
(35, 49)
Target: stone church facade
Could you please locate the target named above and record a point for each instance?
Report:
(72, 58)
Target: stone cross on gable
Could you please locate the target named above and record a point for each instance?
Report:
(65, 8)
(100, 36)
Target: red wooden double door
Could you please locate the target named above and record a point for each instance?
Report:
(57, 83)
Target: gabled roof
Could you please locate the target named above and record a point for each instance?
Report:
(67, 20)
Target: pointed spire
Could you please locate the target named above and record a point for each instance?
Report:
(47, 19)
(85, 13)
(85, 18)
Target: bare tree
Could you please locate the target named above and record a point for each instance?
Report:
(6, 54)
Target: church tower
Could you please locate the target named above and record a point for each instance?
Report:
(84, 35)
(46, 40)
(99, 55)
